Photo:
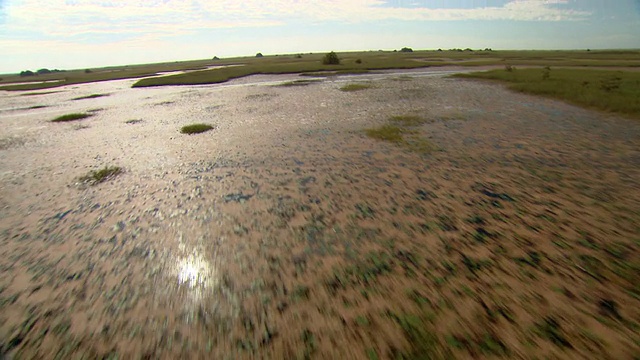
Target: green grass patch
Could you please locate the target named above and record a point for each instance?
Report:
(389, 133)
(408, 120)
(336, 73)
(409, 139)
(355, 87)
(71, 117)
(195, 128)
(98, 176)
(133, 121)
(613, 91)
(39, 93)
(92, 96)
(298, 83)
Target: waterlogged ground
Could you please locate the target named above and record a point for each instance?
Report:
(285, 232)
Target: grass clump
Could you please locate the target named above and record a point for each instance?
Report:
(298, 83)
(389, 133)
(71, 117)
(133, 121)
(98, 176)
(39, 93)
(355, 87)
(614, 91)
(92, 96)
(195, 128)
(400, 132)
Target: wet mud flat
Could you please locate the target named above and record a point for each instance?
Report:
(286, 232)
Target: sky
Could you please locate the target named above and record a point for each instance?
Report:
(78, 34)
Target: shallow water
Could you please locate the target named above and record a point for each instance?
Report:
(285, 232)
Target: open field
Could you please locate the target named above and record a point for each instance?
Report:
(214, 71)
(420, 217)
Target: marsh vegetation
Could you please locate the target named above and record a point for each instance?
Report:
(195, 128)
(71, 117)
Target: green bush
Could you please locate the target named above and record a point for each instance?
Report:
(331, 59)
(259, 55)
(406, 49)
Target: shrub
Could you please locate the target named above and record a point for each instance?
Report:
(406, 49)
(216, 58)
(195, 128)
(88, 71)
(358, 61)
(259, 55)
(331, 59)
(26, 73)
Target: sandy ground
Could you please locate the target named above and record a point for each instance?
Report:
(287, 233)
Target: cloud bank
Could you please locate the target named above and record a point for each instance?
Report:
(58, 18)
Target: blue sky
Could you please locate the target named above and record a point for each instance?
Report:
(77, 34)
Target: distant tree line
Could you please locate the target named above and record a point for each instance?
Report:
(39, 72)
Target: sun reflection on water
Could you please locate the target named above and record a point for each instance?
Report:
(196, 273)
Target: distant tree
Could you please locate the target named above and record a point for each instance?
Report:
(216, 58)
(358, 61)
(406, 49)
(331, 59)
(259, 55)
(299, 56)
(440, 50)
(88, 71)
(43, 71)
(27, 73)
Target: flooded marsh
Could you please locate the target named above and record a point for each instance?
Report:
(285, 231)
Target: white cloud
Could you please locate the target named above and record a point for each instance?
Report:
(61, 18)
(79, 33)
